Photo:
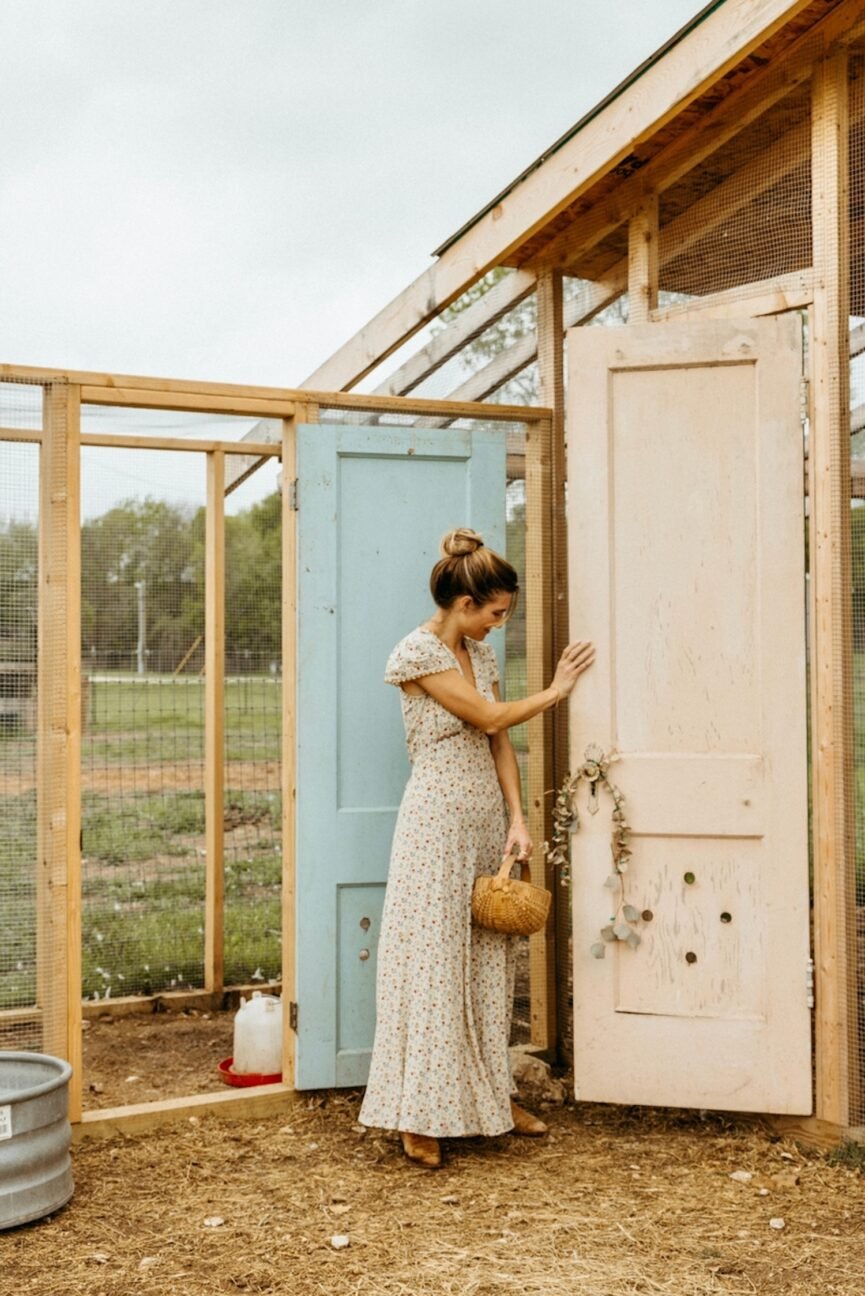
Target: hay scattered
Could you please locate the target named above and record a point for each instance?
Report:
(616, 1202)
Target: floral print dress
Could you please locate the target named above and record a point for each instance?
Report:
(440, 1063)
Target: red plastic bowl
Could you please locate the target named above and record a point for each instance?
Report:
(231, 1077)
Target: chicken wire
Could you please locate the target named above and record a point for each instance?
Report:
(33, 1006)
(143, 746)
(743, 214)
(856, 928)
(20, 1025)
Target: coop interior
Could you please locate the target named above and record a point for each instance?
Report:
(181, 823)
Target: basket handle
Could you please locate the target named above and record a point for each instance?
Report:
(506, 865)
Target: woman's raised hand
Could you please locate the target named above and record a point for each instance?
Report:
(576, 658)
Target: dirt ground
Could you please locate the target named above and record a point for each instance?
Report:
(161, 1055)
(613, 1202)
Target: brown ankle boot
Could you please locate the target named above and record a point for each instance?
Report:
(526, 1123)
(422, 1149)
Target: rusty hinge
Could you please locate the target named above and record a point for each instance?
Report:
(809, 983)
(292, 1016)
(292, 494)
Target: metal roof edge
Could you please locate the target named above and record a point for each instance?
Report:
(614, 94)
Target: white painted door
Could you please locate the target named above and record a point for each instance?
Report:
(686, 550)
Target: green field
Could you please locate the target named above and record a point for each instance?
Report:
(143, 839)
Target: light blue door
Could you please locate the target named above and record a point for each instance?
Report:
(373, 504)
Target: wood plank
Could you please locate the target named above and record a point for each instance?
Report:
(214, 723)
(765, 297)
(289, 747)
(831, 705)
(20, 434)
(195, 401)
(72, 772)
(545, 473)
(722, 40)
(643, 241)
(255, 1103)
(225, 1000)
(120, 441)
(58, 735)
(157, 393)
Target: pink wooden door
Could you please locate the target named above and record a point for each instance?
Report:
(686, 551)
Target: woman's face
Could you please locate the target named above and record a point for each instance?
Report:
(479, 621)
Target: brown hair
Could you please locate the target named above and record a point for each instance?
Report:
(467, 566)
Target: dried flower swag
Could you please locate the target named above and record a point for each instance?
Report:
(566, 821)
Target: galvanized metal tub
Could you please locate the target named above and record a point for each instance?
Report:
(35, 1167)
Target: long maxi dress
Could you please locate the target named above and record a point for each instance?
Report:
(440, 1062)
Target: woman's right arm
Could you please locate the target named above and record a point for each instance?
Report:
(453, 691)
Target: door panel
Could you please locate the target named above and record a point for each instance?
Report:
(686, 542)
(373, 504)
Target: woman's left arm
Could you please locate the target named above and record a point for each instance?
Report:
(508, 772)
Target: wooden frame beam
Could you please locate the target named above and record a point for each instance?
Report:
(214, 724)
(643, 261)
(765, 297)
(58, 888)
(836, 1050)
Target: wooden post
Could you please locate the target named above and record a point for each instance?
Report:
(551, 563)
(643, 261)
(59, 734)
(539, 639)
(289, 730)
(214, 723)
(831, 634)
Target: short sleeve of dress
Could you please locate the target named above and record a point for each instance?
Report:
(417, 655)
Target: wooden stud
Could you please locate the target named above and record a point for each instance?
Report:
(59, 735)
(289, 744)
(539, 660)
(214, 723)
(262, 449)
(20, 434)
(643, 261)
(551, 379)
(836, 1049)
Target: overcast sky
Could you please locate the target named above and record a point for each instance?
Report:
(228, 189)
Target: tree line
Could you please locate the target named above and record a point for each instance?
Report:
(160, 546)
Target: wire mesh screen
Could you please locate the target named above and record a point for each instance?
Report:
(743, 214)
(856, 963)
(22, 983)
(253, 722)
(142, 615)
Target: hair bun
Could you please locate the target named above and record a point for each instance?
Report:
(461, 541)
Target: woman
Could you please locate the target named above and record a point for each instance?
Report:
(440, 1064)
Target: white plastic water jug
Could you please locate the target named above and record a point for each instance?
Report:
(258, 1035)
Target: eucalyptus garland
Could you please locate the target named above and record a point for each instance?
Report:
(566, 822)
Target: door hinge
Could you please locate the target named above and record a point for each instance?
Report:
(292, 1016)
(804, 400)
(809, 982)
(292, 494)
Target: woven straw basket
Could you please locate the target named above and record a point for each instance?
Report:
(507, 905)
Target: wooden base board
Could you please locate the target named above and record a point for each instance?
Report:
(226, 999)
(812, 1132)
(255, 1103)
